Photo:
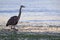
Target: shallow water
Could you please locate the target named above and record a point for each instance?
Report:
(28, 32)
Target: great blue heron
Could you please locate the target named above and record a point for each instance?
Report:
(14, 19)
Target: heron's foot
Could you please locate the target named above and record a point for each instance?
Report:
(16, 29)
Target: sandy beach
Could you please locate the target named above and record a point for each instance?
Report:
(34, 27)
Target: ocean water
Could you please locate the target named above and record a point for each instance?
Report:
(34, 11)
(31, 17)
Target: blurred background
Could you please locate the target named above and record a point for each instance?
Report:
(47, 11)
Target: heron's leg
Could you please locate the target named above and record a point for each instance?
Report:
(11, 26)
(14, 26)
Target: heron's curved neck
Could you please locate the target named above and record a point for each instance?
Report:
(19, 13)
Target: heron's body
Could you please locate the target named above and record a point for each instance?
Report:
(14, 20)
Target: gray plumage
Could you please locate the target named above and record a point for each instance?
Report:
(14, 20)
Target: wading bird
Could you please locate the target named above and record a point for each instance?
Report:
(14, 19)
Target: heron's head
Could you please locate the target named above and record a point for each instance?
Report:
(22, 6)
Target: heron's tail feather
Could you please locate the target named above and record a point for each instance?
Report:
(6, 24)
